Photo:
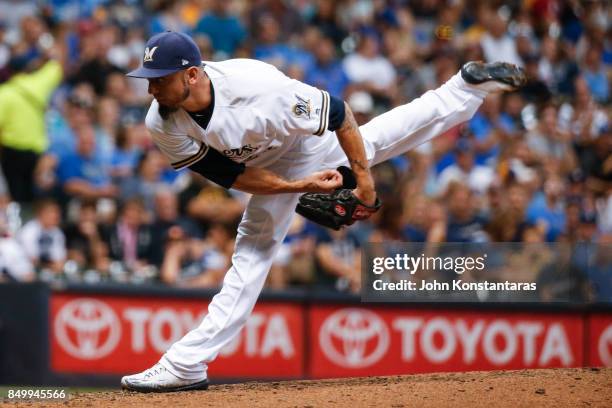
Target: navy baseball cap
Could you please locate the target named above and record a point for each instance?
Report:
(167, 53)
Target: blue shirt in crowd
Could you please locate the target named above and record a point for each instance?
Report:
(538, 210)
(481, 127)
(91, 169)
(226, 33)
(598, 84)
(283, 56)
(330, 77)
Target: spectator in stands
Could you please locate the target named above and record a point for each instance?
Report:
(596, 75)
(76, 112)
(327, 72)
(587, 117)
(387, 225)
(464, 225)
(398, 38)
(196, 263)
(465, 170)
(294, 260)
(208, 203)
(283, 56)
(416, 226)
(37, 71)
(572, 222)
(369, 69)
(167, 16)
(587, 229)
(83, 174)
(42, 239)
(94, 66)
(550, 142)
(338, 259)
(222, 27)
(535, 90)
(147, 179)
(291, 23)
(117, 87)
(497, 44)
(126, 154)
(524, 263)
(509, 119)
(604, 214)
(576, 189)
(549, 49)
(32, 28)
(596, 162)
(565, 71)
(326, 19)
(507, 221)
(490, 127)
(362, 105)
(108, 115)
(14, 262)
(547, 209)
(130, 239)
(84, 240)
(169, 225)
(204, 45)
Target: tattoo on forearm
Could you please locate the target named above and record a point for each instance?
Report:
(349, 122)
(349, 126)
(359, 164)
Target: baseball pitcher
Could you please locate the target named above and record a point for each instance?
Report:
(243, 124)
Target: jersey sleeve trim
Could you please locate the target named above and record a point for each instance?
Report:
(324, 114)
(191, 160)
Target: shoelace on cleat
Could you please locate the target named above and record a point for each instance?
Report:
(155, 370)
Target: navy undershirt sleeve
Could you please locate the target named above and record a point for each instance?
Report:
(218, 168)
(336, 113)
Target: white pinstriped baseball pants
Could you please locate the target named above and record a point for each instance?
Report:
(267, 217)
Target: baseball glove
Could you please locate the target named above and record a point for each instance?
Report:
(337, 209)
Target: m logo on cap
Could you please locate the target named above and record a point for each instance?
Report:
(148, 55)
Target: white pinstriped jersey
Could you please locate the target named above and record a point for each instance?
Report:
(258, 115)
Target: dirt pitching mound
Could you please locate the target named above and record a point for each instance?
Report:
(524, 388)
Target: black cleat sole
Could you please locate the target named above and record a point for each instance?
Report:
(476, 72)
(201, 385)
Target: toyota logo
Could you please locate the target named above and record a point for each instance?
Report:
(87, 329)
(354, 338)
(603, 346)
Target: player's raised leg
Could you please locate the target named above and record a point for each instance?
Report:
(405, 127)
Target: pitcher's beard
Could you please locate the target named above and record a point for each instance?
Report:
(166, 110)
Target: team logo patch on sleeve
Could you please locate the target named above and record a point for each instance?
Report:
(302, 107)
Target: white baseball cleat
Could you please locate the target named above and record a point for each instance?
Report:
(493, 76)
(158, 379)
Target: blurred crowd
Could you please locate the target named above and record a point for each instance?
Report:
(85, 196)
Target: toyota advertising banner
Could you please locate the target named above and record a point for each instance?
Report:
(600, 338)
(118, 335)
(98, 334)
(377, 341)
